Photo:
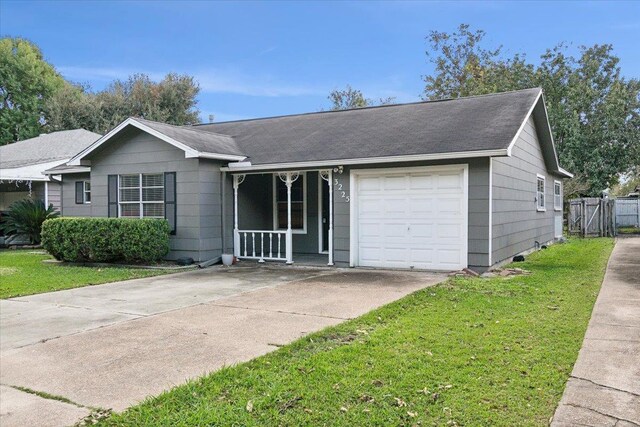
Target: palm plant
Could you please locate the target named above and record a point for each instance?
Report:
(25, 218)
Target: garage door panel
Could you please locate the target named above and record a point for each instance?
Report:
(421, 230)
(449, 257)
(449, 231)
(412, 219)
(395, 183)
(420, 182)
(450, 181)
(420, 206)
(369, 184)
(422, 257)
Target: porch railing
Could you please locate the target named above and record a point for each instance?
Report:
(263, 245)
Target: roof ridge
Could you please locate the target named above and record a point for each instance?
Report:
(369, 107)
(184, 127)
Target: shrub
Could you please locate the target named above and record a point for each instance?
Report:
(25, 218)
(106, 239)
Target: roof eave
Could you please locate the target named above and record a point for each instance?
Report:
(366, 160)
(80, 158)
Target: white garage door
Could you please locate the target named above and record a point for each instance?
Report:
(411, 217)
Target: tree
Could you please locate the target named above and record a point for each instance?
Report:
(172, 100)
(72, 107)
(594, 112)
(350, 98)
(26, 81)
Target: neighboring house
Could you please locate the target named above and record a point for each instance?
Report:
(437, 185)
(22, 165)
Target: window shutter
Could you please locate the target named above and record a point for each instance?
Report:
(170, 205)
(79, 192)
(112, 196)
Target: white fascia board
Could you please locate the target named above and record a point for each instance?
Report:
(216, 156)
(369, 160)
(77, 169)
(565, 172)
(188, 151)
(523, 124)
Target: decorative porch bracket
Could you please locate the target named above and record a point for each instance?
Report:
(327, 175)
(289, 178)
(237, 180)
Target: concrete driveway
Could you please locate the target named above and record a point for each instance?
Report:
(604, 387)
(110, 346)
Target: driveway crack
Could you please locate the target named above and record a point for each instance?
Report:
(280, 311)
(606, 386)
(603, 414)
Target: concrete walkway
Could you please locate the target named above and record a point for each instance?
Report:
(604, 387)
(110, 346)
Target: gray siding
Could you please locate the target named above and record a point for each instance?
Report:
(198, 233)
(517, 225)
(478, 229)
(68, 194)
(55, 194)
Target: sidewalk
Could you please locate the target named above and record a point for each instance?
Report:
(604, 387)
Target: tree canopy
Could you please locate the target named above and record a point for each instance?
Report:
(26, 81)
(350, 98)
(172, 100)
(593, 110)
(37, 99)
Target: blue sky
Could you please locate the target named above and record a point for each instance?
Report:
(270, 58)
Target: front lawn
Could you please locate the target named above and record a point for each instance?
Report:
(470, 351)
(23, 272)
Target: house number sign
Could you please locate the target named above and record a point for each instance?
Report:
(343, 194)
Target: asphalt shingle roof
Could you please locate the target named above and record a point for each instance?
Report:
(487, 122)
(204, 142)
(46, 148)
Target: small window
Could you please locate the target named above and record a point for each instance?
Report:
(298, 204)
(557, 195)
(87, 192)
(540, 195)
(83, 192)
(141, 195)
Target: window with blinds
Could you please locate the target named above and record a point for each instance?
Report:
(141, 195)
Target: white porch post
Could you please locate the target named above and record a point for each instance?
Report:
(237, 180)
(289, 232)
(328, 176)
(289, 178)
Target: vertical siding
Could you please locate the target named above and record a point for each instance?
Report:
(517, 225)
(478, 229)
(68, 196)
(137, 152)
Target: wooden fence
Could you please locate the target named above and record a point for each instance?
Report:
(592, 217)
(628, 212)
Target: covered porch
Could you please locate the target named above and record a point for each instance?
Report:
(284, 216)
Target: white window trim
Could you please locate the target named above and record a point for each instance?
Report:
(303, 177)
(140, 202)
(542, 208)
(85, 191)
(557, 207)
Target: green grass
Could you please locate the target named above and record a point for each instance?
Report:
(470, 351)
(23, 272)
(628, 230)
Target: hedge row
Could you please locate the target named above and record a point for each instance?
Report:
(106, 239)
